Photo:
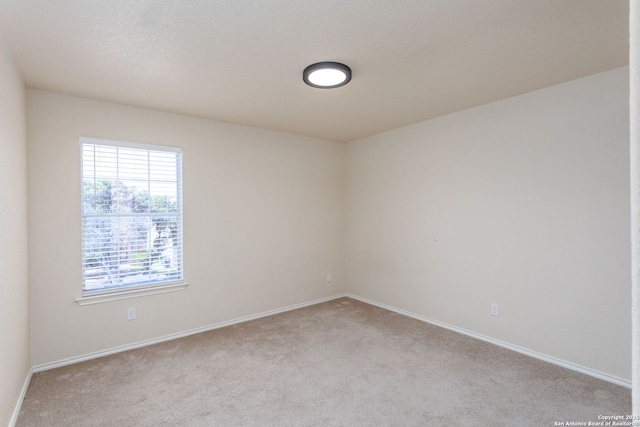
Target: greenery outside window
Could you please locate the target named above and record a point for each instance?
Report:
(131, 216)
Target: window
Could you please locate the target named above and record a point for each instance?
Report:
(131, 216)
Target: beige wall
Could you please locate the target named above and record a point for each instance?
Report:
(523, 202)
(263, 218)
(14, 302)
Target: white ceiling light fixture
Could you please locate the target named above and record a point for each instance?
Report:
(327, 75)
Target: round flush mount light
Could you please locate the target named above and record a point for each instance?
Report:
(327, 75)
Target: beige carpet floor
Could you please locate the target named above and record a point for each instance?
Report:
(339, 363)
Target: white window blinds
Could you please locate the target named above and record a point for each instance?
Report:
(131, 216)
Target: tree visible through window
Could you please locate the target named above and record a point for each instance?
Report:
(131, 215)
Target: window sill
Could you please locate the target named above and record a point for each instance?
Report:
(133, 293)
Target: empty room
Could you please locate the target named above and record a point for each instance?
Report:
(296, 213)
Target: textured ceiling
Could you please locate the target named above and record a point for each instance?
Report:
(241, 61)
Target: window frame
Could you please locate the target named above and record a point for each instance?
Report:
(104, 294)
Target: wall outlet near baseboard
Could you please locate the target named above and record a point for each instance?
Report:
(131, 313)
(329, 278)
(495, 309)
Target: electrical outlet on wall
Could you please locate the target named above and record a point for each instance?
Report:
(495, 309)
(131, 313)
(329, 278)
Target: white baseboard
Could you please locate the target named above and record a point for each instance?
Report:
(107, 352)
(23, 392)
(550, 359)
